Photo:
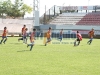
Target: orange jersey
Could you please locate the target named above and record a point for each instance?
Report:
(91, 34)
(32, 37)
(48, 34)
(23, 29)
(4, 32)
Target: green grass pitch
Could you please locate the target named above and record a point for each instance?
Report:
(53, 59)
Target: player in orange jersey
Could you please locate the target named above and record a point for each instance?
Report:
(91, 35)
(22, 31)
(32, 38)
(48, 35)
(4, 35)
(25, 34)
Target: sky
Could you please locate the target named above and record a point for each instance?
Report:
(50, 3)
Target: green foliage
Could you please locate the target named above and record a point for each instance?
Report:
(14, 10)
(53, 59)
(26, 8)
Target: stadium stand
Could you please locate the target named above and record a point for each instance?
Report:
(90, 19)
(77, 19)
(68, 18)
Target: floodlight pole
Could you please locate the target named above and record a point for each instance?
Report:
(36, 5)
(88, 6)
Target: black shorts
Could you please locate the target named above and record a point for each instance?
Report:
(78, 39)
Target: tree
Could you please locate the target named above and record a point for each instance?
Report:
(25, 8)
(14, 10)
(1, 9)
(6, 7)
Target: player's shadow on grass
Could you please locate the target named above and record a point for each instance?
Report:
(41, 45)
(23, 50)
(16, 43)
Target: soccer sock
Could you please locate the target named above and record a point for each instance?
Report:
(75, 43)
(46, 42)
(23, 40)
(20, 39)
(60, 39)
(90, 41)
(78, 42)
(31, 47)
(1, 41)
(26, 40)
(5, 40)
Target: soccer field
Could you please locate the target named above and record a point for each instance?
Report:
(53, 59)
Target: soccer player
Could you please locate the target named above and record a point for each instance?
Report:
(32, 38)
(91, 35)
(48, 36)
(25, 34)
(61, 35)
(23, 29)
(4, 35)
(79, 38)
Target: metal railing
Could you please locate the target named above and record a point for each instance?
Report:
(50, 14)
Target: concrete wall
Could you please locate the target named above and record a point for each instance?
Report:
(72, 27)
